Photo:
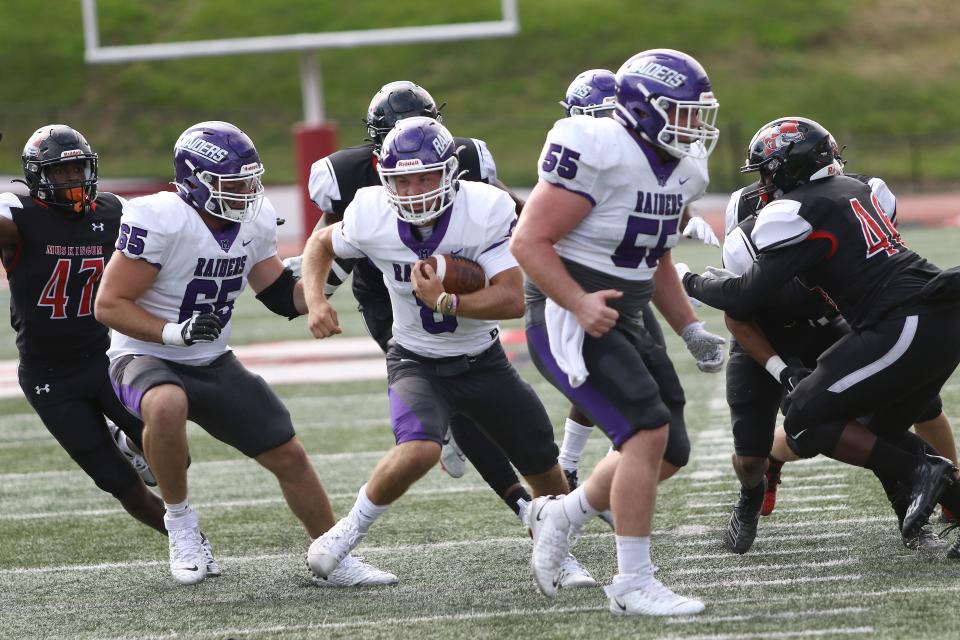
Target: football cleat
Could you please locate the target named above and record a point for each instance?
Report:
(136, 460)
(551, 532)
(353, 572)
(928, 481)
(772, 477)
(328, 551)
(213, 569)
(742, 528)
(633, 595)
(574, 575)
(452, 459)
(188, 564)
(926, 540)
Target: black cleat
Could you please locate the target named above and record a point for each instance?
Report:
(928, 481)
(742, 528)
(926, 540)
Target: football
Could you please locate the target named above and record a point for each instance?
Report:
(458, 274)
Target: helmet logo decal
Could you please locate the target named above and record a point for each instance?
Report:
(660, 73)
(71, 153)
(781, 136)
(581, 90)
(204, 148)
(441, 142)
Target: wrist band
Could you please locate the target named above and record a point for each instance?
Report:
(452, 303)
(171, 334)
(441, 302)
(775, 366)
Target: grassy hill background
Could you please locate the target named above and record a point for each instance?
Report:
(881, 74)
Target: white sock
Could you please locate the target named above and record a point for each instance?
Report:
(578, 508)
(575, 436)
(364, 512)
(178, 510)
(633, 555)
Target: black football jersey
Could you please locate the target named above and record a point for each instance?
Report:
(834, 236)
(355, 168)
(54, 273)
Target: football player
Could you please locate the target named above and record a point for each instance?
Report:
(168, 292)
(593, 93)
(334, 181)
(829, 230)
(54, 244)
(445, 356)
(797, 326)
(595, 241)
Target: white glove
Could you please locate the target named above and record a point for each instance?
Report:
(698, 228)
(293, 263)
(706, 348)
(716, 273)
(683, 269)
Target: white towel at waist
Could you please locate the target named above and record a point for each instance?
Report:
(566, 342)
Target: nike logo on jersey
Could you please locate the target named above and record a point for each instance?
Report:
(457, 252)
(684, 181)
(246, 242)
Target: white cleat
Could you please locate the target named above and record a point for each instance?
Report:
(550, 530)
(574, 575)
(213, 569)
(353, 572)
(136, 460)
(631, 595)
(328, 551)
(452, 459)
(188, 564)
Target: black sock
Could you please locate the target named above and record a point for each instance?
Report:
(891, 463)
(517, 494)
(774, 465)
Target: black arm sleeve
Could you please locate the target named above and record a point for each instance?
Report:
(278, 297)
(763, 280)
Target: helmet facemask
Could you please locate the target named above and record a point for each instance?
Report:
(236, 197)
(692, 120)
(75, 194)
(421, 208)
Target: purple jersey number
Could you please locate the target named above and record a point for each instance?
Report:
(561, 159)
(447, 325)
(131, 239)
(629, 255)
(215, 298)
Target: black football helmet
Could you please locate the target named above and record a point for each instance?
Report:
(395, 101)
(52, 145)
(790, 152)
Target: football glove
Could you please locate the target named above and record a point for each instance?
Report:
(698, 228)
(790, 377)
(200, 328)
(706, 348)
(716, 273)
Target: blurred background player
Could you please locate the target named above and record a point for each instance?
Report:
(445, 356)
(595, 238)
(54, 245)
(182, 260)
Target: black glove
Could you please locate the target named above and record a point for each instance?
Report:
(790, 378)
(200, 328)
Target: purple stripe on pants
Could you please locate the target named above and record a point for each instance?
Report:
(406, 424)
(586, 397)
(129, 396)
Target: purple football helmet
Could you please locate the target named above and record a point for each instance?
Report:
(415, 146)
(218, 169)
(592, 93)
(665, 96)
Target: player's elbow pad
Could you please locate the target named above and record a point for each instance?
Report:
(278, 297)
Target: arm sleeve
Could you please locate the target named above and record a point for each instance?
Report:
(322, 185)
(741, 296)
(496, 256)
(570, 160)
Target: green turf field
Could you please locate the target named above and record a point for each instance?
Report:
(827, 563)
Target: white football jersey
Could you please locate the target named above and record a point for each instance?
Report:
(198, 270)
(478, 227)
(637, 199)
